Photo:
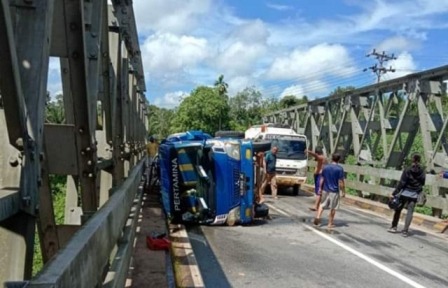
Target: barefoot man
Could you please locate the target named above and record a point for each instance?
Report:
(332, 187)
(320, 160)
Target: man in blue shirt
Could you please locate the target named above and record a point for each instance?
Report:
(269, 163)
(331, 184)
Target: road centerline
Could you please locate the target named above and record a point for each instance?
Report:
(354, 252)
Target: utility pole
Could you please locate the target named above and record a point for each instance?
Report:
(379, 68)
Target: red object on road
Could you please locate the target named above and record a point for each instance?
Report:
(158, 243)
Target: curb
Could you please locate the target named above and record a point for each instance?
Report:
(430, 222)
(185, 267)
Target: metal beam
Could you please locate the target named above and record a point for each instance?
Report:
(80, 263)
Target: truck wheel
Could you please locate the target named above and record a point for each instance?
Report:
(230, 134)
(295, 190)
(261, 146)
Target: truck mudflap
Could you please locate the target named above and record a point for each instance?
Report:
(289, 181)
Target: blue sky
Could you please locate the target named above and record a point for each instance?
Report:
(301, 47)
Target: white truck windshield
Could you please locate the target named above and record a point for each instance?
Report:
(289, 146)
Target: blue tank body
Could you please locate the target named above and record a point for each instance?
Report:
(207, 181)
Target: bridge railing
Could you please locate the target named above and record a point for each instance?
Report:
(369, 181)
(381, 125)
(99, 147)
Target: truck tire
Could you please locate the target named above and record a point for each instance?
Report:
(261, 146)
(295, 190)
(230, 134)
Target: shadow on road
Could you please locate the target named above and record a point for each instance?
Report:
(211, 270)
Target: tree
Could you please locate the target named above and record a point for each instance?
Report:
(221, 86)
(341, 90)
(291, 100)
(246, 109)
(159, 121)
(55, 110)
(202, 110)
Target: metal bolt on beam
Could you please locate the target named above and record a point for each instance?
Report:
(13, 161)
(26, 201)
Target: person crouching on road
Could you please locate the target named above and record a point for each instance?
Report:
(269, 164)
(320, 160)
(331, 184)
(410, 186)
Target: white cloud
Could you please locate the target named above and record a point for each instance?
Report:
(397, 43)
(314, 63)
(295, 90)
(239, 83)
(54, 83)
(311, 89)
(403, 65)
(167, 53)
(251, 31)
(169, 100)
(279, 7)
(239, 58)
(175, 16)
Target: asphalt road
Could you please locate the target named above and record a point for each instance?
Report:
(288, 251)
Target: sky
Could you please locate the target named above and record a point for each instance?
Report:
(282, 47)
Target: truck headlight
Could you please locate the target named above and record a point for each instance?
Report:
(302, 171)
(233, 150)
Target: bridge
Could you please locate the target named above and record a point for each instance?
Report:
(100, 149)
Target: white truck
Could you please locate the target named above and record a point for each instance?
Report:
(292, 160)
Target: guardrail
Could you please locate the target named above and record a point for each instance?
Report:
(368, 179)
(85, 258)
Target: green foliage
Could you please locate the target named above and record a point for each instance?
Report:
(351, 160)
(221, 86)
(291, 100)
(54, 111)
(341, 90)
(159, 121)
(203, 110)
(246, 109)
(38, 261)
(58, 188)
(424, 210)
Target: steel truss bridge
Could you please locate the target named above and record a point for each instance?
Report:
(100, 147)
(379, 126)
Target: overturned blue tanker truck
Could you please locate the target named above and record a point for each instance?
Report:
(207, 180)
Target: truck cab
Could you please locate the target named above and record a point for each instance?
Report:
(208, 181)
(292, 161)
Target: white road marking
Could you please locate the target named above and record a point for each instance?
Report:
(355, 252)
(278, 210)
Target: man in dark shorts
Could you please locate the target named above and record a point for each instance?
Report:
(320, 161)
(332, 183)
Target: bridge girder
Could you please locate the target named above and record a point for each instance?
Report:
(379, 124)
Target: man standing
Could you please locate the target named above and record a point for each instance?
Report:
(320, 160)
(410, 186)
(152, 148)
(269, 163)
(332, 183)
